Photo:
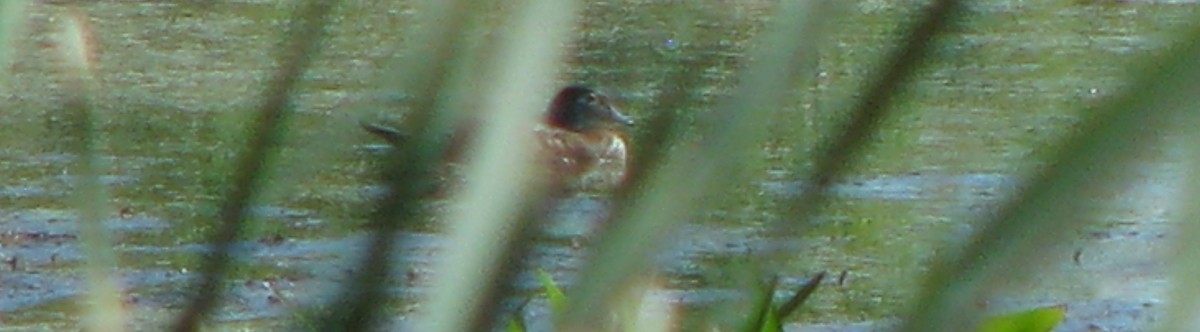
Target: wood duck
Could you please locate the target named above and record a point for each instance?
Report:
(581, 145)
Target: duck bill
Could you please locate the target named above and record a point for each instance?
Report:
(619, 117)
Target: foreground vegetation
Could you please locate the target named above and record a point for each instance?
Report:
(684, 161)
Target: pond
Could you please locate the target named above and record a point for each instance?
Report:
(177, 83)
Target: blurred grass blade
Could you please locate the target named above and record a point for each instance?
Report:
(484, 222)
(103, 307)
(1043, 215)
(517, 247)
(642, 307)
(690, 171)
(301, 45)
(1181, 314)
(866, 114)
(423, 73)
(12, 24)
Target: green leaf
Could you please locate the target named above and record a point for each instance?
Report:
(771, 321)
(763, 312)
(558, 299)
(1036, 320)
(516, 324)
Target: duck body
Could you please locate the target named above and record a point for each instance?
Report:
(580, 144)
(587, 162)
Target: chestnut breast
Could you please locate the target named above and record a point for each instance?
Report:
(593, 161)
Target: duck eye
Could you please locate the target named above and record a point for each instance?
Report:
(589, 98)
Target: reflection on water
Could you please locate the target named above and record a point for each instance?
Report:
(176, 88)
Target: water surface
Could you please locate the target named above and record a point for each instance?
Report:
(177, 83)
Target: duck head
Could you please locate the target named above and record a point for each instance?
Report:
(578, 108)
